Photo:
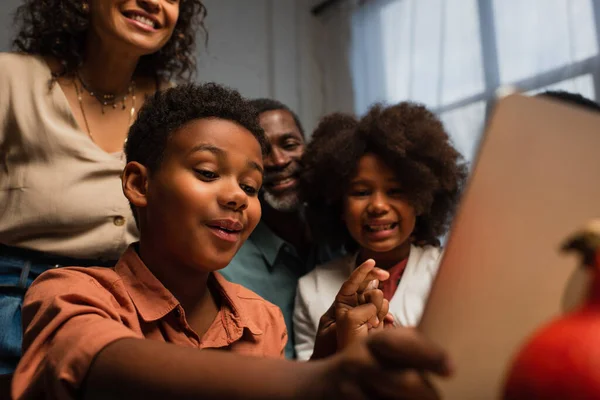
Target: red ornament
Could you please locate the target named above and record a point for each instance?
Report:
(562, 360)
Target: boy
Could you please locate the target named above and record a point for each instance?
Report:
(133, 331)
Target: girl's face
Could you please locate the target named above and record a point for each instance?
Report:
(376, 211)
(141, 26)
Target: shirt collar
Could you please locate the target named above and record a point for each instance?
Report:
(238, 312)
(154, 301)
(151, 298)
(267, 242)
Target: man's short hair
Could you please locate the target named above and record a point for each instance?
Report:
(264, 105)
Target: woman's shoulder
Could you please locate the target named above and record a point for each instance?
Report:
(10, 58)
(21, 67)
(10, 61)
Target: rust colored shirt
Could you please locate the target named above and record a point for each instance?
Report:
(388, 287)
(71, 314)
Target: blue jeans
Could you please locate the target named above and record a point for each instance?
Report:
(18, 269)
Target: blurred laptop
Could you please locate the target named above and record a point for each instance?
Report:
(536, 180)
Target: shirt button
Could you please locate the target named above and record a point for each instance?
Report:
(119, 220)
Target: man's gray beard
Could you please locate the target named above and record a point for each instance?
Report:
(286, 203)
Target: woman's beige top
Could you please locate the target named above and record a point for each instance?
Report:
(59, 192)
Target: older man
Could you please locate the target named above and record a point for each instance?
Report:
(279, 250)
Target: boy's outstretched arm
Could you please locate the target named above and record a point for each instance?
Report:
(77, 344)
(385, 365)
(139, 368)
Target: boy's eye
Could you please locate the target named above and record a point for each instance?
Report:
(206, 174)
(396, 192)
(250, 191)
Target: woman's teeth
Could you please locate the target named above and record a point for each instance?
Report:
(143, 20)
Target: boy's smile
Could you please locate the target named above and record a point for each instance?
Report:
(226, 229)
(202, 201)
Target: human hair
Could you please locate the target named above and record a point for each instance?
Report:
(571, 98)
(57, 28)
(167, 111)
(406, 137)
(264, 105)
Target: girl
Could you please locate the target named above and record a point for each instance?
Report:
(386, 187)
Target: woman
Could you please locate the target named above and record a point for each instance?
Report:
(68, 97)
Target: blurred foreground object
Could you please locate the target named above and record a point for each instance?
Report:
(562, 359)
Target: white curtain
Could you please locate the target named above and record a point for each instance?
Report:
(452, 55)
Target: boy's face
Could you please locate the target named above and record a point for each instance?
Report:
(376, 212)
(201, 203)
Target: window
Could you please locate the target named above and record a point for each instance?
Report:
(453, 55)
(537, 36)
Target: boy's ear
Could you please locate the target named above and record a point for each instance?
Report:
(135, 183)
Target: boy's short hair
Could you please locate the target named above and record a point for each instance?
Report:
(167, 111)
(264, 105)
(410, 140)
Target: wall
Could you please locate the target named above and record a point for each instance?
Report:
(8, 7)
(264, 48)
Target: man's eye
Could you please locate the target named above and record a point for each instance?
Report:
(291, 146)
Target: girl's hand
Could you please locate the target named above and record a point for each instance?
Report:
(374, 295)
(358, 307)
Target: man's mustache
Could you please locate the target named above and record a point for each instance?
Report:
(273, 175)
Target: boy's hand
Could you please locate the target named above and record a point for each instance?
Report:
(386, 365)
(358, 307)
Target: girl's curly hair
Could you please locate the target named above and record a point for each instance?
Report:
(57, 28)
(410, 140)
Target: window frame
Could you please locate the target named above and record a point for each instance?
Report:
(491, 67)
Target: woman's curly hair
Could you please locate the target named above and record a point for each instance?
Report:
(57, 28)
(410, 140)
